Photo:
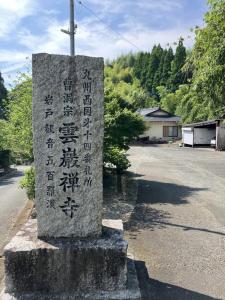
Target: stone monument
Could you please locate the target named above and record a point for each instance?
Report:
(68, 252)
(68, 137)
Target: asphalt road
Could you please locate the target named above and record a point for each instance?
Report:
(177, 229)
(12, 201)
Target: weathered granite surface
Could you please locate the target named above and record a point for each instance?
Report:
(53, 266)
(130, 292)
(68, 139)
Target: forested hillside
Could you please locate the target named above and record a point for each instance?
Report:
(139, 78)
(190, 83)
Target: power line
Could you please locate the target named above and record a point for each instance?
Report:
(106, 25)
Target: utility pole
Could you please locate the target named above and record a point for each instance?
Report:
(71, 32)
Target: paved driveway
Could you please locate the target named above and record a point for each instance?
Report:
(177, 228)
(12, 201)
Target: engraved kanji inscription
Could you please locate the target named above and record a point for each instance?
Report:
(49, 128)
(87, 134)
(87, 170)
(50, 191)
(68, 111)
(87, 146)
(87, 100)
(86, 74)
(49, 100)
(67, 84)
(50, 161)
(87, 158)
(87, 122)
(69, 181)
(87, 87)
(48, 113)
(69, 207)
(51, 203)
(88, 181)
(69, 158)
(68, 133)
(87, 111)
(50, 175)
(50, 142)
(68, 98)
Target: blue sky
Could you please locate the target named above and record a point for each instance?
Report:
(29, 26)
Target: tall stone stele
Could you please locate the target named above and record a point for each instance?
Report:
(67, 254)
(68, 126)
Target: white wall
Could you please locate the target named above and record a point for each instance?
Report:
(188, 136)
(155, 130)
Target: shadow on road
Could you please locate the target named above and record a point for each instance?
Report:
(10, 178)
(145, 217)
(156, 290)
(188, 228)
(130, 198)
(153, 192)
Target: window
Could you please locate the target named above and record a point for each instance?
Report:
(170, 131)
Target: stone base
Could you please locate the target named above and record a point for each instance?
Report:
(60, 269)
(130, 292)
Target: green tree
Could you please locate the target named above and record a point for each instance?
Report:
(204, 97)
(158, 75)
(167, 66)
(168, 99)
(208, 57)
(153, 66)
(189, 107)
(18, 126)
(177, 76)
(121, 127)
(139, 65)
(125, 83)
(3, 95)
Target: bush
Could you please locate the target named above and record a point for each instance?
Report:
(28, 183)
(114, 157)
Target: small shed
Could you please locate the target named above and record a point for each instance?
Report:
(202, 133)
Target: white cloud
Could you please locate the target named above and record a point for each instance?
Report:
(100, 42)
(51, 41)
(93, 38)
(11, 12)
(12, 56)
(162, 5)
(106, 7)
(20, 7)
(13, 62)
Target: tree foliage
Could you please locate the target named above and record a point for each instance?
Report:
(177, 76)
(209, 60)
(28, 183)
(3, 95)
(203, 97)
(18, 124)
(122, 125)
